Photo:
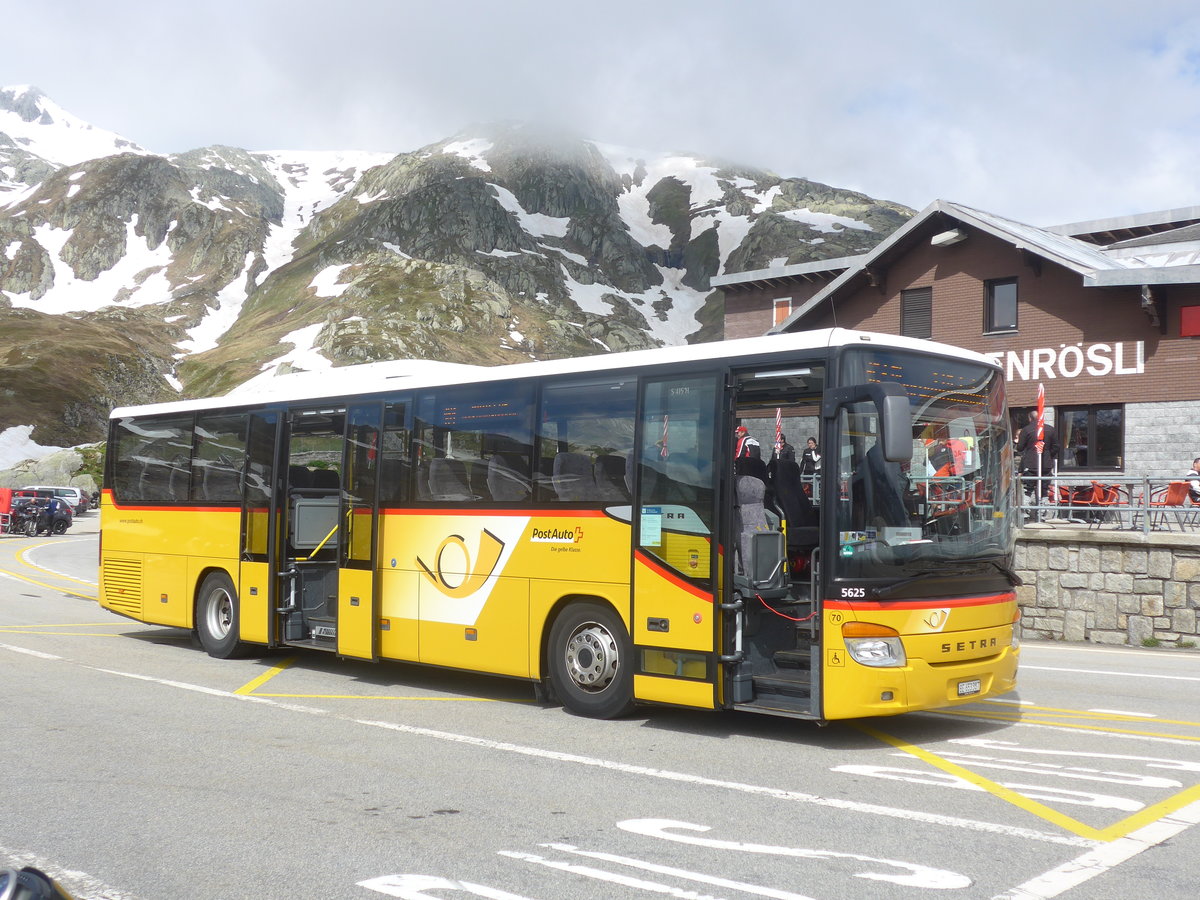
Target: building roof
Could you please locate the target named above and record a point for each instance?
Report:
(809, 271)
(1165, 261)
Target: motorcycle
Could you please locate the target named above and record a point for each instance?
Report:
(24, 520)
(29, 884)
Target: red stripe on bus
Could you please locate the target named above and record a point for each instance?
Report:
(176, 507)
(663, 572)
(952, 602)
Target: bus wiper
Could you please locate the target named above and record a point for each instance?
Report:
(883, 591)
(887, 589)
(1013, 578)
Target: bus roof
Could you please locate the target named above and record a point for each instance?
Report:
(370, 378)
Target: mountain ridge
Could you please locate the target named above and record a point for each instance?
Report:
(498, 244)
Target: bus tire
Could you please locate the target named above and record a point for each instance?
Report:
(591, 661)
(217, 617)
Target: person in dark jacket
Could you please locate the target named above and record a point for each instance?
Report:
(1028, 451)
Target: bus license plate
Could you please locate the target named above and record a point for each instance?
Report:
(967, 688)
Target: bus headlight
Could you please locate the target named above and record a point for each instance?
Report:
(873, 645)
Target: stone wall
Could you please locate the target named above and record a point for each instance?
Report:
(1109, 587)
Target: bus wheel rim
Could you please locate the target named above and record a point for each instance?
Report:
(592, 657)
(219, 613)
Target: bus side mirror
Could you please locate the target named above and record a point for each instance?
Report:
(895, 427)
(895, 416)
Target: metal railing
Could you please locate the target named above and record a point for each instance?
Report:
(1111, 502)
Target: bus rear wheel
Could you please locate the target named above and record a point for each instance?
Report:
(591, 660)
(217, 617)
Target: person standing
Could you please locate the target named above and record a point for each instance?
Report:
(785, 452)
(810, 458)
(1027, 449)
(1193, 480)
(745, 446)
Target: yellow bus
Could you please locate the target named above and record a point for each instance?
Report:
(601, 527)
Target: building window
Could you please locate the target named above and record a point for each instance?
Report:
(783, 309)
(1000, 305)
(1189, 321)
(1091, 437)
(916, 312)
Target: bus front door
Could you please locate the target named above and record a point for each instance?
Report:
(359, 523)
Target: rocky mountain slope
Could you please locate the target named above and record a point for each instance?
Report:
(128, 276)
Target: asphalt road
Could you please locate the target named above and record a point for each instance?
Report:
(138, 768)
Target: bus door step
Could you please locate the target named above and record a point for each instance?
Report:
(796, 683)
(792, 659)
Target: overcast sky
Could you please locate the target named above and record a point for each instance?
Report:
(1046, 111)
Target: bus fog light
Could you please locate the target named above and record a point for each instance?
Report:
(876, 651)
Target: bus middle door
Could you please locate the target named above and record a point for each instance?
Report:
(359, 517)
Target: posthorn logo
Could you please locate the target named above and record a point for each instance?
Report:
(453, 554)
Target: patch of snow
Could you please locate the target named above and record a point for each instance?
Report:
(472, 151)
(574, 257)
(72, 294)
(10, 252)
(303, 356)
(17, 445)
(73, 190)
(174, 382)
(497, 252)
(824, 221)
(219, 320)
(325, 283)
(64, 139)
(534, 223)
(364, 198)
(396, 249)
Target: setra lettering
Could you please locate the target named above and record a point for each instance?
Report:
(963, 646)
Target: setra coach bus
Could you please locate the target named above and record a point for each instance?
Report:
(590, 526)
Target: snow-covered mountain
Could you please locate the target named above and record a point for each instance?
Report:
(193, 273)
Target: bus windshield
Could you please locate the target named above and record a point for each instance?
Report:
(950, 505)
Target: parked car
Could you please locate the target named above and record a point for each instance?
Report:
(33, 514)
(79, 502)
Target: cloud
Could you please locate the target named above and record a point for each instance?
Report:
(1043, 111)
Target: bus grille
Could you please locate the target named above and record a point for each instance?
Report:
(123, 586)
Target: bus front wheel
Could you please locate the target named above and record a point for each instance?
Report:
(591, 660)
(217, 617)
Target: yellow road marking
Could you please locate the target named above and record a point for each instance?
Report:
(1111, 833)
(1139, 732)
(21, 558)
(249, 686)
(69, 625)
(50, 587)
(6, 630)
(362, 697)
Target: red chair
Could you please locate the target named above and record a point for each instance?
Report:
(1108, 502)
(1169, 499)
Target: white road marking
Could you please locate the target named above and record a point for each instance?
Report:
(413, 887)
(915, 875)
(653, 887)
(1119, 712)
(36, 653)
(1151, 762)
(79, 884)
(643, 771)
(1029, 791)
(1103, 858)
(1113, 674)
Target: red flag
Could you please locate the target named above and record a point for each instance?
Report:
(1040, 441)
(778, 431)
(663, 451)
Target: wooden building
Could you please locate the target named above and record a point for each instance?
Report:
(1104, 314)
